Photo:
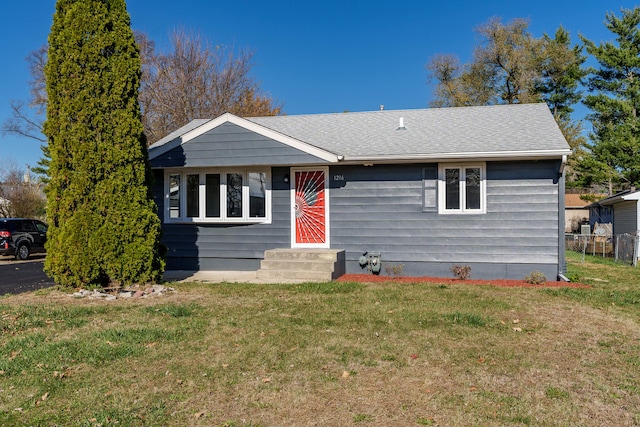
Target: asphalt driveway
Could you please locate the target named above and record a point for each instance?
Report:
(22, 276)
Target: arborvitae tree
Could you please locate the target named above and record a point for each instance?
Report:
(103, 223)
(615, 100)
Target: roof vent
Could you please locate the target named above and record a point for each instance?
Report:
(401, 124)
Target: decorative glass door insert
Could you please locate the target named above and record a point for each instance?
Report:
(310, 208)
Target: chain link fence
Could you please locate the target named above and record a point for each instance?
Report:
(623, 248)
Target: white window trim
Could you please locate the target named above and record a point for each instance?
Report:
(223, 219)
(442, 206)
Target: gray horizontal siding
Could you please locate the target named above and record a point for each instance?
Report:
(231, 145)
(625, 217)
(478, 270)
(379, 209)
(372, 213)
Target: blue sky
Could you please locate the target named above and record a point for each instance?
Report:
(313, 56)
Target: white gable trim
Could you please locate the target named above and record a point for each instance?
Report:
(632, 196)
(612, 200)
(248, 125)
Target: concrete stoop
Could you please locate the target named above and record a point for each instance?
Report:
(317, 265)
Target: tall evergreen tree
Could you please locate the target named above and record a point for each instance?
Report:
(614, 102)
(103, 222)
(561, 73)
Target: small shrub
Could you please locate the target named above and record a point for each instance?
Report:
(461, 272)
(535, 278)
(573, 277)
(394, 270)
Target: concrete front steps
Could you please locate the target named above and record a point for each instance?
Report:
(313, 265)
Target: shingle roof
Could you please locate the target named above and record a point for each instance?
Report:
(574, 201)
(193, 124)
(521, 127)
(509, 130)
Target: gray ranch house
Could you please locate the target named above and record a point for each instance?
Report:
(424, 190)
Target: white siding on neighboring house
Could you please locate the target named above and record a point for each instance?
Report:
(625, 217)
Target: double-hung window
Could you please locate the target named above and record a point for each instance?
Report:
(461, 188)
(216, 196)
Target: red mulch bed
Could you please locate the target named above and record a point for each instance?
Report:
(372, 278)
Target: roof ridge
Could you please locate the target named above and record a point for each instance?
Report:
(495, 106)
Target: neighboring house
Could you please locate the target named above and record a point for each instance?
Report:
(4, 206)
(576, 213)
(427, 189)
(600, 214)
(622, 209)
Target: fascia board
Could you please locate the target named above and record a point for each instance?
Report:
(246, 124)
(632, 196)
(177, 141)
(612, 200)
(441, 157)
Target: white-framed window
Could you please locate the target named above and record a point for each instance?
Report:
(218, 196)
(462, 188)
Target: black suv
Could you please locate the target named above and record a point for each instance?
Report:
(22, 236)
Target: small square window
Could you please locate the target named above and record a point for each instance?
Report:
(462, 189)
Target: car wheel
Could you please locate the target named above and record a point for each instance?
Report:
(23, 251)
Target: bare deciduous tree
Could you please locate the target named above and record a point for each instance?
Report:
(197, 80)
(505, 68)
(19, 196)
(194, 80)
(513, 57)
(27, 117)
(457, 85)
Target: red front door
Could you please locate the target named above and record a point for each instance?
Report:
(310, 208)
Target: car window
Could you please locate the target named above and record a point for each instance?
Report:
(28, 226)
(42, 227)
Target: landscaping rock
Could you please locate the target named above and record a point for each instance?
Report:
(150, 291)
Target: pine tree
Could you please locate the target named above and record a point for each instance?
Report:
(615, 100)
(561, 74)
(103, 222)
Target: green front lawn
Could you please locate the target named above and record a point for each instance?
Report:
(329, 354)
